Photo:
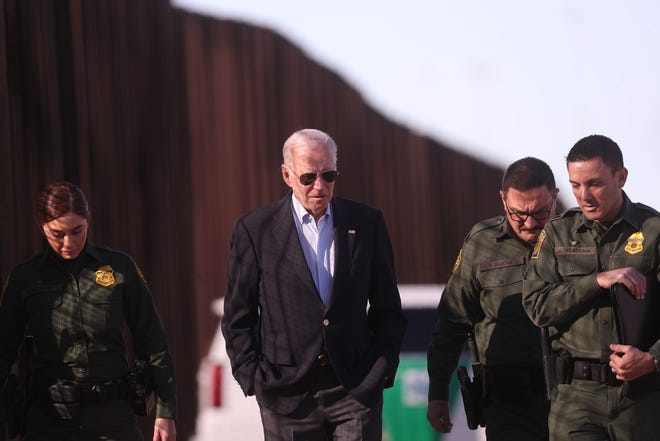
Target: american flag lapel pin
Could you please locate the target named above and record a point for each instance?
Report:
(351, 241)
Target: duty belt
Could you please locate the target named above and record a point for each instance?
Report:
(98, 393)
(594, 370)
(83, 392)
(64, 398)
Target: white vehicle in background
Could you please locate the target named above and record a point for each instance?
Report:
(225, 413)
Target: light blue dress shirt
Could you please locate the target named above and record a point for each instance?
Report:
(317, 241)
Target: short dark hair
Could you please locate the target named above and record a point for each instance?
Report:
(526, 174)
(58, 199)
(597, 146)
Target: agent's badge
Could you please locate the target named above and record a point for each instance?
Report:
(105, 276)
(635, 244)
(537, 248)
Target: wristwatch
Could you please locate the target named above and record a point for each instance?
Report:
(656, 364)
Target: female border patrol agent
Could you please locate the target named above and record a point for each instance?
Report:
(74, 299)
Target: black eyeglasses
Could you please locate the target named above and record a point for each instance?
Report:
(538, 215)
(309, 178)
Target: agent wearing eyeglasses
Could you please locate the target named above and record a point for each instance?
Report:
(313, 318)
(483, 299)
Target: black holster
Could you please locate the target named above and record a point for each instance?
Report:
(549, 363)
(140, 388)
(60, 399)
(64, 398)
(473, 397)
(563, 367)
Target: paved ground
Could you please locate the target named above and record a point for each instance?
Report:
(238, 419)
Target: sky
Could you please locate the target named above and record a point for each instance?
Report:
(496, 80)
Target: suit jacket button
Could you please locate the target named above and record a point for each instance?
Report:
(326, 322)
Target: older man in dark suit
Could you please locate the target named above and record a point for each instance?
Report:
(313, 318)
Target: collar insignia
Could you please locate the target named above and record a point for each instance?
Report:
(458, 260)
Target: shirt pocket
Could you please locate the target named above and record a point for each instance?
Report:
(501, 273)
(641, 262)
(102, 307)
(42, 299)
(501, 286)
(571, 266)
(103, 296)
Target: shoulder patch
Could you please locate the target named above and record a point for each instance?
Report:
(537, 247)
(139, 271)
(646, 208)
(458, 260)
(569, 213)
(4, 288)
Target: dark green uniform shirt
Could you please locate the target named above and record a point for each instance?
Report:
(78, 320)
(484, 293)
(560, 289)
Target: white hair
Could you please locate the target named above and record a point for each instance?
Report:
(308, 138)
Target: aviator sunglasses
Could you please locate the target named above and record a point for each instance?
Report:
(309, 178)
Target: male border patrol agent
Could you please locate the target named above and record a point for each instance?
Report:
(579, 256)
(483, 298)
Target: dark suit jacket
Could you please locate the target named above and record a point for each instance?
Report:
(276, 325)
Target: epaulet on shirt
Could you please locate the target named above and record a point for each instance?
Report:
(569, 213)
(493, 222)
(34, 259)
(644, 207)
(104, 249)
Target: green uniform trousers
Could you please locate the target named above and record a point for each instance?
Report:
(110, 420)
(590, 411)
(517, 421)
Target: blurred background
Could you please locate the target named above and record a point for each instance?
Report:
(171, 118)
(499, 80)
